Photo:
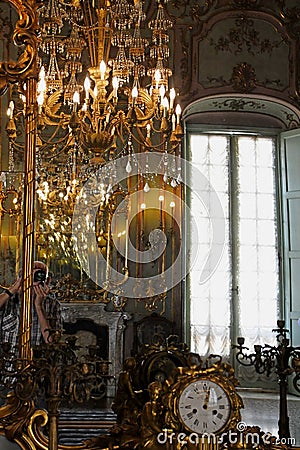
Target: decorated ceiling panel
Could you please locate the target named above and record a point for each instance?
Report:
(236, 46)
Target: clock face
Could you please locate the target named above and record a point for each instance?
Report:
(204, 406)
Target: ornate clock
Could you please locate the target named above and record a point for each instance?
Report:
(204, 400)
(204, 406)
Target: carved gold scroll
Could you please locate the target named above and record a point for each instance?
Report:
(24, 73)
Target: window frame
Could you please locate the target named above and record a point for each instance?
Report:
(274, 133)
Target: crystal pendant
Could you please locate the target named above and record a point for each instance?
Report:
(128, 167)
(146, 187)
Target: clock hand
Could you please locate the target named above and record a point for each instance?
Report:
(206, 399)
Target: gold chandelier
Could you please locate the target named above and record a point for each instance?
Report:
(104, 85)
(104, 92)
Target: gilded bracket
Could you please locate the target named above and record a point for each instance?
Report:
(25, 33)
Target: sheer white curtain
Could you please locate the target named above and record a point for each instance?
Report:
(241, 295)
(210, 302)
(257, 249)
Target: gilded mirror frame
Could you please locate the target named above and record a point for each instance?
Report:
(20, 421)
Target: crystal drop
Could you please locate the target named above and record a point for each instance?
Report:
(146, 187)
(128, 167)
(165, 177)
(173, 183)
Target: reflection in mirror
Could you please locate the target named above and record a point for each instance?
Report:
(75, 115)
(94, 108)
(11, 158)
(11, 199)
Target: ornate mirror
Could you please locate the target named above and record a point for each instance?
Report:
(90, 184)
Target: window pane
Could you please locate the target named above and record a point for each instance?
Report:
(257, 274)
(210, 304)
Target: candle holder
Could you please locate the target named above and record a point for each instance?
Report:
(284, 359)
(55, 374)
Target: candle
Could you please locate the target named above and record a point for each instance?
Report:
(108, 249)
(143, 207)
(118, 251)
(178, 112)
(161, 199)
(75, 101)
(173, 122)
(134, 94)
(172, 97)
(10, 109)
(157, 77)
(162, 91)
(102, 69)
(87, 85)
(126, 242)
(115, 83)
(165, 104)
(172, 207)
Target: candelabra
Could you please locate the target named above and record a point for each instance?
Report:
(284, 359)
(55, 373)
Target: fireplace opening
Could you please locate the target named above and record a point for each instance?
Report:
(88, 334)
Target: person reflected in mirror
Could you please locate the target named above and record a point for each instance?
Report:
(46, 311)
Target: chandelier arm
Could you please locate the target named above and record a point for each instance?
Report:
(143, 143)
(18, 147)
(52, 203)
(120, 134)
(53, 105)
(49, 142)
(50, 147)
(54, 134)
(156, 130)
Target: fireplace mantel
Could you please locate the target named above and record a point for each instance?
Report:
(116, 323)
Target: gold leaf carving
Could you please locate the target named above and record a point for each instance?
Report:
(25, 33)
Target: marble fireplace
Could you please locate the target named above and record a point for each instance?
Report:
(95, 325)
